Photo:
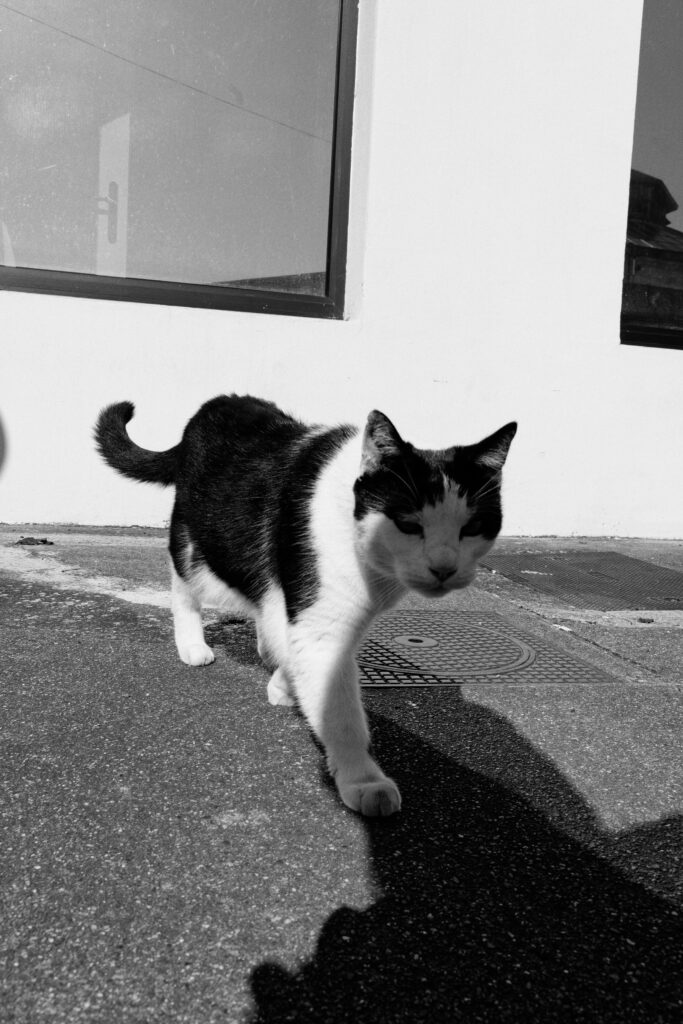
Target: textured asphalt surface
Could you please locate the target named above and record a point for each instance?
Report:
(171, 850)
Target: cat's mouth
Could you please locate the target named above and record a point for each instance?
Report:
(436, 588)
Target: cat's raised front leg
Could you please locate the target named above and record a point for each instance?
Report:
(187, 623)
(326, 684)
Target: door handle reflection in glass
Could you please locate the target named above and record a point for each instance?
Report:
(109, 208)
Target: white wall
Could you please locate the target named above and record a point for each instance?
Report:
(491, 166)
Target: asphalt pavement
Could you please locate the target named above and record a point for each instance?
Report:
(172, 851)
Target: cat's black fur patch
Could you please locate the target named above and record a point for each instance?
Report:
(400, 485)
(241, 459)
(480, 485)
(405, 482)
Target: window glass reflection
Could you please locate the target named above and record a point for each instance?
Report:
(169, 141)
(652, 302)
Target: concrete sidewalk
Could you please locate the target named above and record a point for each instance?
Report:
(172, 851)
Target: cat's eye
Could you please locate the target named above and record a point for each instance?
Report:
(472, 529)
(409, 526)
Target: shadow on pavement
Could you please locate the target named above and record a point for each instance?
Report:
(486, 912)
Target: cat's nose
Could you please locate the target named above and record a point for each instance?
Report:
(443, 574)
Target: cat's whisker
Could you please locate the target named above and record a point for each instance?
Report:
(409, 486)
(488, 488)
(414, 485)
(380, 498)
(493, 481)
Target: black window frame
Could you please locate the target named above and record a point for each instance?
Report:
(329, 306)
(645, 335)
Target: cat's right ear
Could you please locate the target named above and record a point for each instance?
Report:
(381, 439)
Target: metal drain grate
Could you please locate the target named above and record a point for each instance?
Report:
(425, 648)
(603, 580)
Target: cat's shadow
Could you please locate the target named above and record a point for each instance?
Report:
(487, 912)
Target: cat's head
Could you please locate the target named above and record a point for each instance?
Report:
(424, 517)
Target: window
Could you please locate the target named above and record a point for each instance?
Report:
(183, 153)
(652, 303)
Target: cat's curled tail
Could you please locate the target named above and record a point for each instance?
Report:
(124, 455)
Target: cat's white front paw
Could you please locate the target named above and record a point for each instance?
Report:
(372, 799)
(196, 654)
(279, 692)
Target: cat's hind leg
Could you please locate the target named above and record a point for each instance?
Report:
(187, 623)
(272, 641)
(265, 652)
(279, 690)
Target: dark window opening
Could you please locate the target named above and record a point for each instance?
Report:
(652, 300)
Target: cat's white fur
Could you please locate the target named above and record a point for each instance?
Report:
(363, 568)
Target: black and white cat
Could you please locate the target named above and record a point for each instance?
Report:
(313, 531)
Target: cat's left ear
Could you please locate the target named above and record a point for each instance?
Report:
(380, 440)
(493, 450)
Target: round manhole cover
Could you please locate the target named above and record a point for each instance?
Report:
(439, 649)
(413, 640)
